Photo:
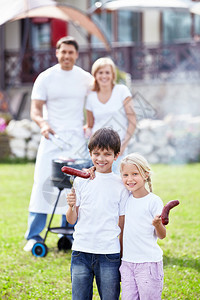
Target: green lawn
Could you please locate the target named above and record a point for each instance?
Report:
(23, 276)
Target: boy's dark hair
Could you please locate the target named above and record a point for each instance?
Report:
(69, 40)
(105, 138)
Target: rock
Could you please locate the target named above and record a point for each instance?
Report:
(16, 143)
(25, 123)
(19, 153)
(142, 148)
(32, 146)
(36, 138)
(31, 154)
(146, 136)
(153, 158)
(34, 128)
(15, 129)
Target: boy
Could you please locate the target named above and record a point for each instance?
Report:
(99, 212)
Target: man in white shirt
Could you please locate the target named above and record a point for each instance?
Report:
(58, 97)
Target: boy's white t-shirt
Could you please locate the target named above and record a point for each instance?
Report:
(139, 238)
(101, 201)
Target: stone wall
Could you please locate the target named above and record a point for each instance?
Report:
(24, 138)
(175, 139)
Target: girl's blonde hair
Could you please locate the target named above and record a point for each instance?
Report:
(141, 163)
(99, 63)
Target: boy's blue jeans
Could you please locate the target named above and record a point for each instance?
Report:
(105, 268)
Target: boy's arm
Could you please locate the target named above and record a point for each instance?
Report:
(72, 214)
(121, 225)
(159, 227)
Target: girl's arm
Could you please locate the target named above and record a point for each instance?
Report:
(130, 114)
(72, 214)
(159, 227)
(121, 225)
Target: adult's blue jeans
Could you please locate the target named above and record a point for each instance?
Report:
(105, 269)
(37, 222)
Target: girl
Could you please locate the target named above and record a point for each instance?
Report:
(142, 267)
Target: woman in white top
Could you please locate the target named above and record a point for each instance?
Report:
(110, 104)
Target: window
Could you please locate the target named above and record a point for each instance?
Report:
(128, 26)
(176, 26)
(41, 35)
(197, 24)
(104, 22)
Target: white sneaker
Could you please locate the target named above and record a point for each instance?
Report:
(29, 245)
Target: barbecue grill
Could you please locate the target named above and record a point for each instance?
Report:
(61, 181)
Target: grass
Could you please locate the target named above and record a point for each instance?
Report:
(23, 276)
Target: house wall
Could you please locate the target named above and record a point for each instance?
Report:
(151, 27)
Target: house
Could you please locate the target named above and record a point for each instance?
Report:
(159, 49)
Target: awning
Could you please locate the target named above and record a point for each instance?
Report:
(142, 5)
(195, 9)
(19, 9)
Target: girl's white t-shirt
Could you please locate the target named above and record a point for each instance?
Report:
(64, 93)
(112, 113)
(101, 201)
(139, 238)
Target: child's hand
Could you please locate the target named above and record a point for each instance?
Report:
(91, 171)
(159, 227)
(157, 221)
(71, 198)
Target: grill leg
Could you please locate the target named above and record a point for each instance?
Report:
(60, 190)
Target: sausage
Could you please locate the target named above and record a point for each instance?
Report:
(75, 172)
(166, 209)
